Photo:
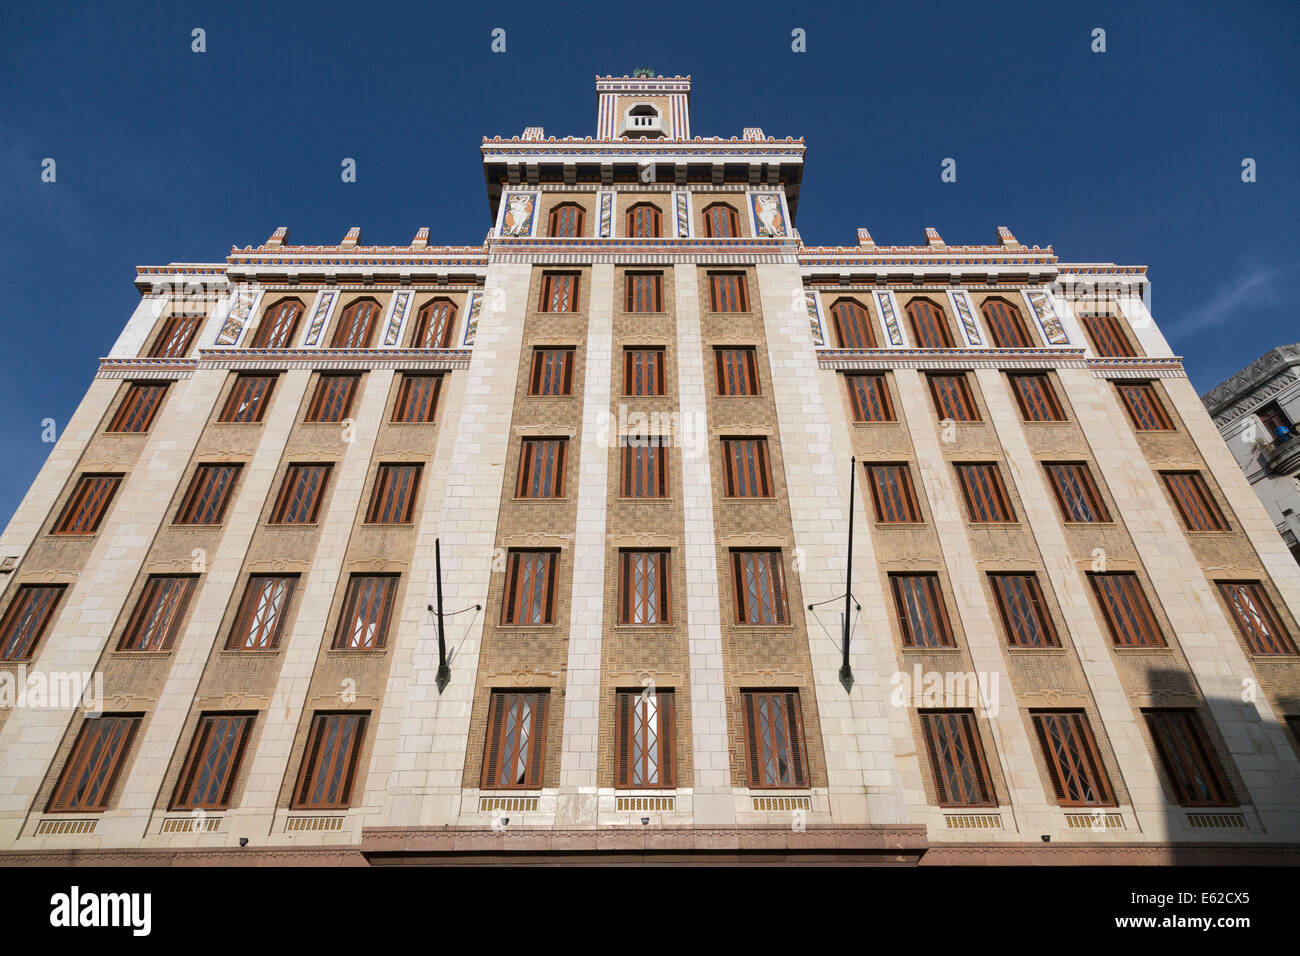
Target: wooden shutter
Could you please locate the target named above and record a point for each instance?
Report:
(1125, 609)
(25, 621)
(278, 326)
(929, 325)
(1005, 325)
(1144, 407)
(1256, 618)
(138, 407)
(1108, 338)
(98, 755)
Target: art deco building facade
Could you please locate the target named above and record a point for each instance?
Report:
(625, 424)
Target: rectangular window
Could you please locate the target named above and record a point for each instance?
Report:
(1036, 398)
(645, 468)
(727, 292)
(1188, 760)
(248, 399)
(952, 398)
(367, 609)
(208, 777)
(1125, 608)
(1256, 618)
(329, 765)
(1107, 336)
(952, 742)
(892, 494)
(774, 739)
(747, 471)
(1077, 493)
(417, 398)
(138, 407)
(541, 468)
(1023, 610)
(922, 615)
(28, 616)
(1195, 503)
(559, 292)
(985, 496)
(333, 398)
(759, 581)
(158, 613)
(87, 505)
(176, 336)
(1144, 407)
(644, 590)
(530, 587)
(869, 396)
(516, 741)
(1078, 777)
(210, 490)
(646, 730)
(645, 292)
(301, 494)
(643, 371)
(393, 500)
(262, 613)
(737, 371)
(552, 372)
(96, 761)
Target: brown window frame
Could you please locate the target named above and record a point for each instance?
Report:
(396, 487)
(368, 604)
(547, 481)
(1074, 763)
(27, 619)
(737, 370)
(88, 504)
(279, 324)
(514, 601)
(644, 467)
(894, 502)
(1259, 625)
(211, 488)
(753, 479)
(501, 748)
(727, 289)
(207, 779)
(785, 736)
(956, 732)
(1139, 618)
(358, 325)
(540, 373)
(1145, 410)
(930, 316)
(755, 612)
(311, 775)
(439, 313)
(252, 608)
(556, 221)
(1077, 495)
(330, 402)
(870, 398)
(110, 760)
(176, 337)
(721, 214)
(958, 392)
(560, 288)
(248, 398)
(1006, 326)
(654, 595)
(138, 408)
(1039, 402)
(1189, 758)
(644, 220)
(1107, 335)
(284, 504)
(159, 613)
(853, 326)
(417, 398)
(1194, 501)
(644, 292)
(984, 492)
(1026, 620)
(643, 371)
(634, 765)
(921, 607)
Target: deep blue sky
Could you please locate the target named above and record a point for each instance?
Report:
(1131, 156)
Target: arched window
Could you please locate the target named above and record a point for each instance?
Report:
(643, 221)
(433, 325)
(852, 325)
(357, 327)
(566, 221)
(1005, 325)
(929, 325)
(279, 323)
(720, 221)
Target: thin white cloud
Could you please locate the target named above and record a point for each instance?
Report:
(1251, 288)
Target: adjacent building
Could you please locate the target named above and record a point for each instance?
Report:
(625, 428)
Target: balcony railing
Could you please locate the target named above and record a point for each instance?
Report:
(1284, 456)
(650, 126)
